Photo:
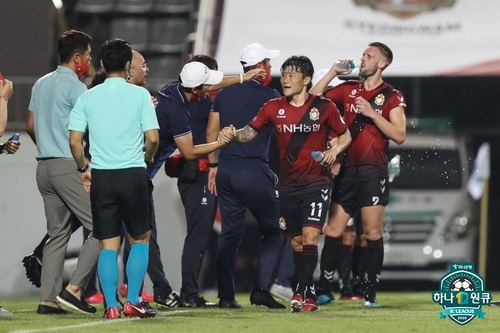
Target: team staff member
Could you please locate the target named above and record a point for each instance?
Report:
(301, 121)
(199, 204)
(121, 188)
(375, 114)
(244, 180)
(52, 98)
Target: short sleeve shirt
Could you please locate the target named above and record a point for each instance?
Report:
(52, 98)
(117, 114)
(300, 131)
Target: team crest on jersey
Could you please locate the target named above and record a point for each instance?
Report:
(380, 99)
(314, 114)
(282, 223)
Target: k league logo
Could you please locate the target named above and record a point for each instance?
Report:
(462, 293)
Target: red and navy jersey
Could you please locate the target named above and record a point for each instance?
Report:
(299, 131)
(367, 155)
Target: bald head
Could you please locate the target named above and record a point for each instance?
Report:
(139, 69)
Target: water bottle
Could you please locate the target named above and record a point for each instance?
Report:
(318, 156)
(394, 167)
(15, 137)
(341, 66)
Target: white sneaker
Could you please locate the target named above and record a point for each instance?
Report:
(285, 293)
(4, 312)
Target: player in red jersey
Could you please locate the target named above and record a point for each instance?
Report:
(302, 122)
(374, 113)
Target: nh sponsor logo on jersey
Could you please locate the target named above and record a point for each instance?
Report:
(297, 128)
(352, 108)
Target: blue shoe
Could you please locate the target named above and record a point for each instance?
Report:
(368, 304)
(327, 298)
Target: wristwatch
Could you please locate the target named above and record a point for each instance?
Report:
(82, 170)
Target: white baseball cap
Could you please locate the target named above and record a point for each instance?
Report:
(255, 53)
(195, 73)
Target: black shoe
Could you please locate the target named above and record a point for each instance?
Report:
(50, 310)
(33, 269)
(197, 302)
(264, 297)
(68, 299)
(171, 301)
(229, 304)
(149, 310)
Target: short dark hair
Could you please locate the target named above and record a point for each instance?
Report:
(99, 77)
(115, 53)
(71, 42)
(385, 50)
(299, 63)
(209, 61)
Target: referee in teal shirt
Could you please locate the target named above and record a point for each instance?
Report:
(118, 116)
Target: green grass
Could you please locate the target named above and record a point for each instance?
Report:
(399, 312)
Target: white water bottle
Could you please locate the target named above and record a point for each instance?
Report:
(394, 167)
(318, 156)
(342, 66)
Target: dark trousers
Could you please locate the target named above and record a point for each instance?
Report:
(251, 186)
(200, 206)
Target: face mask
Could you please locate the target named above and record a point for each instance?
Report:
(212, 94)
(196, 96)
(267, 79)
(82, 69)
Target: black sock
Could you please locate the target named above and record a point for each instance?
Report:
(306, 266)
(330, 257)
(374, 260)
(344, 268)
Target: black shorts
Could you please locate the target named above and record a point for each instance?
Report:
(352, 194)
(304, 210)
(121, 195)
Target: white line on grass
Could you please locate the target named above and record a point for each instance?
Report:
(97, 323)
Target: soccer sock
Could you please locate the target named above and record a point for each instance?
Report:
(307, 264)
(296, 261)
(107, 268)
(345, 266)
(356, 258)
(137, 265)
(374, 259)
(330, 257)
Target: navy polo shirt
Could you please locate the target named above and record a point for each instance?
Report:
(174, 120)
(238, 105)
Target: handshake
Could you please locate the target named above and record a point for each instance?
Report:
(227, 134)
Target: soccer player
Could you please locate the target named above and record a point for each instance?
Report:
(375, 114)
(301, 122)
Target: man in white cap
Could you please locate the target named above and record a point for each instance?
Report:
(174, 117)
(245, 181)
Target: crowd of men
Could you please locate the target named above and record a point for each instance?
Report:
(99, 150)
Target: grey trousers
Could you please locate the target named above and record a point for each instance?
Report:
(62, 191)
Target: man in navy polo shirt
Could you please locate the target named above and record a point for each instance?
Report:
(245, 180)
